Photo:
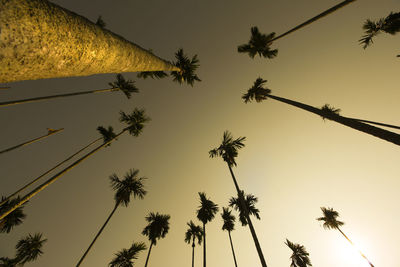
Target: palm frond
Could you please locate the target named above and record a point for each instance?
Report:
(135, 121)
(126, 86)
(207, 209)
(152, 74)
(257, 92)
(330, 218)
(187, 68)
(14, 218)
(29, 248)
(259, 44)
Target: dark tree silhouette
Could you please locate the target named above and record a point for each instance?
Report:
(299, 256)
(100, 22)
(194, 232)
(331, 222)
(15, 218)
(187, 68)
(152, 74)
(250, 201)
(125, 257)
(229, 225)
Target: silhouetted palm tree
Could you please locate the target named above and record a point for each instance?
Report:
(187, 68)
(100, 22)
(331, 222)
(228, 150)
(258, 93)
(7, 262)
(49, 132)
(125, 257)
(229, 225)
(14, 218)
(135, 121)
(194, 232)
(390, 25)
(29, 248)
(299, 256)
(205, 213)
(156, 229)
(152, 74)
(120, 84)
(131, 185)
(250, 201)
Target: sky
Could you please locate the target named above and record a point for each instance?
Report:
(293, 161)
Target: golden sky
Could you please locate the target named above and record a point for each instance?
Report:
(294, 162)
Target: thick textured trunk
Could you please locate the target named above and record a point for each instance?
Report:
(345, 236)
(193, 245)
(323, 14)
(253, 232)
(31, 141)
(355, 124)
(37, 99)
(233, 251)
(42, 40)
(204, 245)
(148, 254)
(98, 234)
(57, 176)
(48, 171)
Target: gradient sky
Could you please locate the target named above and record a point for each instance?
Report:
(294, 162)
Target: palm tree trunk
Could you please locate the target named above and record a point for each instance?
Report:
(31, 141)
(193, 245)
(363, 127)
(323, 14)
(204, 245)
(377, 123)
(37, 99)
(148, 254)
(48, 171)
(98, 234)
(345, 236)
(233, 251)
(57, 176)
(43, 40)
(246, 212)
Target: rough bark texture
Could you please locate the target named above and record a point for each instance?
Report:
(40, 40)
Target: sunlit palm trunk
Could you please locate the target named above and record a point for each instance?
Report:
(355, 247)
(57, 176)
(43, 40)
(148, 254)
(204, 245)
(321, 15)
(48, 171)
(98, 234)
(233, 251)
(37, 99)
(31, 141)
(363, 127)
(253, 232)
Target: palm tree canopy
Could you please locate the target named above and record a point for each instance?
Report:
(100, 22)
(257, 92)
(7, 262)
(158, 226)
(330, 110)
(193, 232)
(228, 150)
(107, 133)
(135, 121)
(152, 74)
(29, 248)
(126, 86)
(259, 44)
(125, 257)
(207, 209)
(188, 68)
(329, 219)
(14, 218)
(229, 219)
(130, 185)
(250, 201)
(300, 255)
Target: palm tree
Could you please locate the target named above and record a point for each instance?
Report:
(258, 93)
(120, 84)
(135, 124)
(125, 257)
(229, 225)
(131, 185)
(100, 22)
(7, 262)
(152, 74)
(72, 39)
(250, 201)
(390, 25)
(49, 132)
(228, 150)
(29, 248)
(331, 222)
(156, 229)
(194, 232)
(299, 256)
(14, 218)
(205, 213)
(260, 43)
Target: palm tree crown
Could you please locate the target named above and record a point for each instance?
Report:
(193, 232)
(14, 218)
(329, 219)
(126, 86)
(207, 209)
(228, 150)
(229, 220)
(157, 228)
(130, 185)
(257, 92)
(259, 44)
(29, 248)
(135, 121)
(188, 67)
(250, 201)
(107, 133)
(125, 257)
(300, 255)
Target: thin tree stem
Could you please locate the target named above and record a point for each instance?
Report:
(233, 251)
(193, 245)
(148, 254)
(204, 244)
(377, 123)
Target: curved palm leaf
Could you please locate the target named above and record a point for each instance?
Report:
(29, 248)
(228, 150)
(107, 134)
(207, 209)
(187, 68)
(125, 257)
(131, 185)
(157, 228)
(126, 86)
(193, 232)
(229, 220)
(250, 201)
(135, 121)
(152, 74)
(259, 44)
(14, 218)
(299, 256)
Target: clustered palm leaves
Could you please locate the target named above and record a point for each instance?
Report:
(259, 44)
(299, 256)
(229, 225)
(249, 201)
(14, 218)
(188, 68)
(100, 22)
(193, 233)
(126, 86)
(125, 257)
(228, 149)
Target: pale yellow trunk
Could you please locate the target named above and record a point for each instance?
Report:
(40, 40)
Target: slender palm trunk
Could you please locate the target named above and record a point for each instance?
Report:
(37, 99)
(48, 171)
(252, 230)
(363, 127)
(57, 176)
(43, 40)
(148, 254)
(193, 245)
(98, 234)
(377, 123)
(321, 15)
(31, 141)
(233, 251)
(204, 245)
(345, 236)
